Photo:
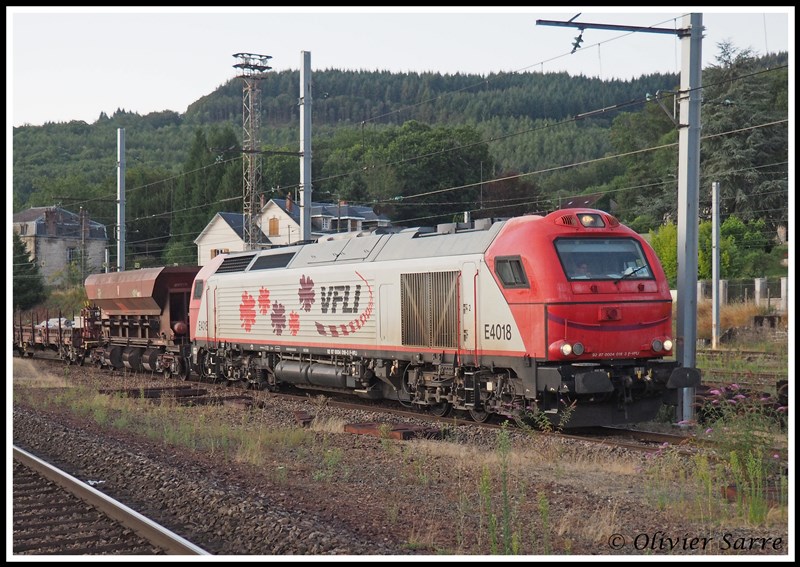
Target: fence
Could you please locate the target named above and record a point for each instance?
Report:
(771, 293)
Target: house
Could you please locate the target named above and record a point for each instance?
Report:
(57, 239)
(279, 221)
(224, 233)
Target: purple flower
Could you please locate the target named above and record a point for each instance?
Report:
(714, 392)
(734, 387)
(708, 431)
(739, 397)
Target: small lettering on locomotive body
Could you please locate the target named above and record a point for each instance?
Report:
(620, 354)
(342, 352)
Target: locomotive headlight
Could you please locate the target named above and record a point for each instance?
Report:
(667, 344)
(563, 348)
(657, 345)
(591, 220)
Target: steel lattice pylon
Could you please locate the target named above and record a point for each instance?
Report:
(253, 67)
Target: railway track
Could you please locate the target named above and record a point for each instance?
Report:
(57, 514)
(199, 392)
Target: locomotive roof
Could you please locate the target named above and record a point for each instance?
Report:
(370, 247)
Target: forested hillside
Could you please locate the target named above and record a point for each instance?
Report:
(422, 148)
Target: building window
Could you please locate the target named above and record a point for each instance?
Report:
(72, 254)
(274, 226)
(23, 229)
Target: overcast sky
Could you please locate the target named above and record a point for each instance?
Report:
(74, 63)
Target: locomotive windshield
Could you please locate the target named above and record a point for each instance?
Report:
(602, 259)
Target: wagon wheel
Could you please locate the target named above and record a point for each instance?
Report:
(184, 369)
(442, 409)
(63, 354)
(479, 415)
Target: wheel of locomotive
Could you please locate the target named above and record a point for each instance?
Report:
(441, 409)
(479, 415)
(203, 369)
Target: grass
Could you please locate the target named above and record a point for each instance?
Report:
(747, 462)
(737, 316)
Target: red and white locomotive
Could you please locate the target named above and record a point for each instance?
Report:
(567, 314)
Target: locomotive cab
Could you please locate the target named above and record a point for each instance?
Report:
(593, 306)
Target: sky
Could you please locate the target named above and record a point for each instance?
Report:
(72, 63)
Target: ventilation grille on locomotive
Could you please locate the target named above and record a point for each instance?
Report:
(234, 264)
(429, 309)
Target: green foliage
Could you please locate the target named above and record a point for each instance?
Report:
(744, 250)
(751, 165)
(665, 244)
(424, 147)
(67, 301)
(27, 280)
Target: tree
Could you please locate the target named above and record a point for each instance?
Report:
(743, 249)
(28, 282)
(665, 244)
(746, 137)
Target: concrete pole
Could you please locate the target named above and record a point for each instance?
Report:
(305, 146)
(715, 264)
(121, 199)
(688, 201)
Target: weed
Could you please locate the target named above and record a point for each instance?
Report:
(485, 495)
(544, 516)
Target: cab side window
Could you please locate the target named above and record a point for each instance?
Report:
(510, 271)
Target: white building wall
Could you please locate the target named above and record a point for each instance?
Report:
(218, 236)
(288, 229)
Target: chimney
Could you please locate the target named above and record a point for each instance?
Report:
(261, 200)
(50, 222)
(289, 202)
